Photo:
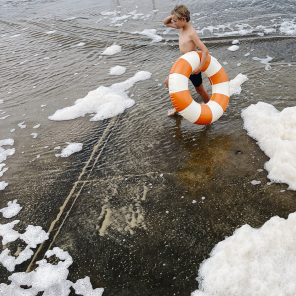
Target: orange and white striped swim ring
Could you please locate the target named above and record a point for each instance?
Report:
(181, 98)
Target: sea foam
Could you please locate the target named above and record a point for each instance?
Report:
(151, 34)
(275, 133)
(252, 262)
(48, 278)
(104, 102)
(111, 50)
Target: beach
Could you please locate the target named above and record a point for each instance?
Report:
(143, 203)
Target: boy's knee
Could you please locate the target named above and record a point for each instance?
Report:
(166, 81)
(200, 89)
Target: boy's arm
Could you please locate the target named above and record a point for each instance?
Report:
(168, 22)
(194, 37)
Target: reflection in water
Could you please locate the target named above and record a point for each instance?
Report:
(205, 155)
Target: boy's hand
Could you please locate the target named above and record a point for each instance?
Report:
(197, 70)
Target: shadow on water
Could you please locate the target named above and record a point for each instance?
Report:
(205, 155)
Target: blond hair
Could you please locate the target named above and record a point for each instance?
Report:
(181, 11)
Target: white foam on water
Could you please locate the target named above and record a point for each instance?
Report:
(1, 101)
(83, 287)
(4, 117)
(4, 153)
(235, 84)
(275, 133)
(111, 50)
(117, 70)
(37, 125)
(70, 149)
(252, 261)
(269, 30)
(47, 278)
(3, 185)
(70, 18)
(22, 125)
(233, 48)
(51, 32)
(288, 28)
(264, 61)
(108, 13)
(79, 44)
(34, 135)
(255, 182)
(135, 15)
(119, 18)
(104, 102)
(11, 210)
(151, 34)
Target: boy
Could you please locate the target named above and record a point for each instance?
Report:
(188, 40)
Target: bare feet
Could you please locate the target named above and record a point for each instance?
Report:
(172, 112)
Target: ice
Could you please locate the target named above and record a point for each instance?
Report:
(252, 261)
(235, 84)
(112, 50)
(36, 126)
(151, 34)
(265, 61)
(233, 48)
(104, 102)
(4, 117)
(11, 210)
(235, 41)
(34, 135)
(1, 101)
(288, 28)
(117, 70)
(275, 133)
(50, 32)
(70, 149)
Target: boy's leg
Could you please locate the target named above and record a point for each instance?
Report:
(173, 111)
(203, 93)
(196, 80)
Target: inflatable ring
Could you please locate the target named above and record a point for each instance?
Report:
(181, 98)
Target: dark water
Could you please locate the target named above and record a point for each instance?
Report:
(137, 222)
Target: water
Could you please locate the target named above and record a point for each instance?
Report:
(128, 228)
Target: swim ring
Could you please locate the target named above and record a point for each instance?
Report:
(181, 98)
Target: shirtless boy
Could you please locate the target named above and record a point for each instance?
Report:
(188, 41)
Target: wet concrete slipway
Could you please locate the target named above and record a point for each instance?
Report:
(149, 196)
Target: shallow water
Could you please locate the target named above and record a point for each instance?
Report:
(129, 228)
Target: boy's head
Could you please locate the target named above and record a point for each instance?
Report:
(181, 11)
